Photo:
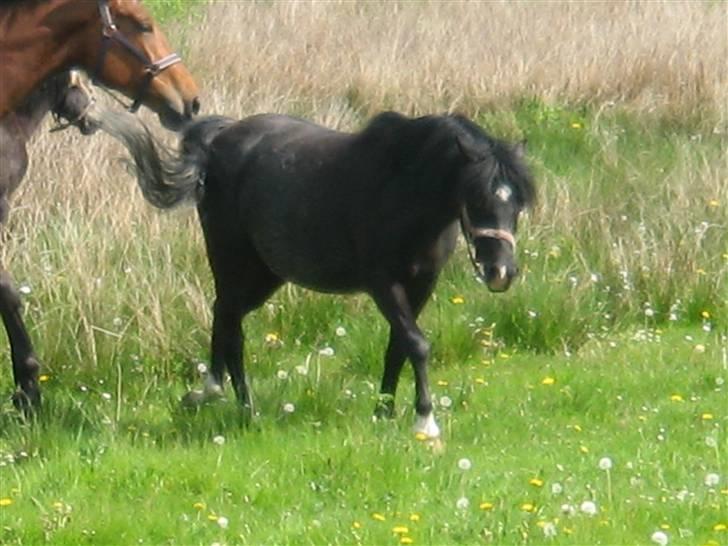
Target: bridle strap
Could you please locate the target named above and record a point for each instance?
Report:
(110, 33)
(471, 233)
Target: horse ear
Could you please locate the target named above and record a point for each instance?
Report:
(469, 150)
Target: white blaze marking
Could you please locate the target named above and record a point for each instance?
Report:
(427, 426)
(504, 193)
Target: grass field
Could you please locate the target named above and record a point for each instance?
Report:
(585, 406)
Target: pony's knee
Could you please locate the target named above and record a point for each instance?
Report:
(419, 349)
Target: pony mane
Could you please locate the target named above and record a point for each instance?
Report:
(419, 138)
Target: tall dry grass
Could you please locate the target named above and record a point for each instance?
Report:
(330, 57)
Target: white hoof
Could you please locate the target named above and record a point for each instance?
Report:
(426, 426)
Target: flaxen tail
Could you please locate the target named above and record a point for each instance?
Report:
(166, 177)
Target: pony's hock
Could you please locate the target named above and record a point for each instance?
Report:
(283, 200)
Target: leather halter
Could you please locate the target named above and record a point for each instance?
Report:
(109, 34)
(471, 233)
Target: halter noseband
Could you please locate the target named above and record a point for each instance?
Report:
(110, 33)
(471, 233)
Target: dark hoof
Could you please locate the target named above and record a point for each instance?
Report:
(27, 402)
(384, 409)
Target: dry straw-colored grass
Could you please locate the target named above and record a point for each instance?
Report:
(444, 55)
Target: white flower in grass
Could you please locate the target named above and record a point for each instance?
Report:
(327, 351)
(445, 401)
(465, 464)
(568, 509)
(282, 375)
(557, 488)
(589, 508)
(218, 440)
(106, 396)
(202, 368)
(712, 479)
(660, 537)
(24, 289)
(711, 442)
(288, 407)
(462, 503)
(340, 331)
(223, 522)
(549, 530)
(605, 463)
(649, 312)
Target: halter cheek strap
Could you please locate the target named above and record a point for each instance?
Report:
(110, 33)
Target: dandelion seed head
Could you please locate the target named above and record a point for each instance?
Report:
(289, 407)
(327, 351)
(201, 368)
(660, 537)
(549, 529)
(589, 508)
(218, 440)
(445, 401)
(711, 479)
(282, 375)
(462, 503)
(24, 289)
(568, 509)
(340, 331)
(223, 522)
(605, 463)
(465, 464)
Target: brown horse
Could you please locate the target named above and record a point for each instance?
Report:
(121, 46)
(116, 41)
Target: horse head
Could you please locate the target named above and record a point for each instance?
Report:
(498, 188)
(126, 50)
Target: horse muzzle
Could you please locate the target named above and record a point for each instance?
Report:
(497, 277)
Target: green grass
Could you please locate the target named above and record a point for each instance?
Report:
(622, 302)
(138, 468)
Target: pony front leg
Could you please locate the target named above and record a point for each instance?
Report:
(394, 304)
(26, 367)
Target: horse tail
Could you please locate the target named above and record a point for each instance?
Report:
(166, 177)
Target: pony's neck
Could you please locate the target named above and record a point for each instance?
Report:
(38, 40)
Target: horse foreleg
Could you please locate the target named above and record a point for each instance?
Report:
(393, 301)
(25, 364)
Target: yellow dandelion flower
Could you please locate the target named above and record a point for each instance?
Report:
(414, 517)
(212, 517)
(504, 356)
(577, 428)
(677, 398)
(400, 530)
(576, 125)
(700, 271)
(379, 517)
(43, 378)
(442, 383)
(713, 203)
(724, 491)
(568, 530)
(528, 507)
(705, 314)
(665, 526)
(536, 482)
(486, 506)
(707, 417)
(584, 449)
(719, 527)
(480, 381)
(57, 505)
(548, 380)
(356, 525)
(406, 540)
(272, 338)
(6, 501)
(199, 506)
(642, 418)
(725, 256)
(457, 300)
(421, 436)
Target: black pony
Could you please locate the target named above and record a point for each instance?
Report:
(284, 200)
(68, 98)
